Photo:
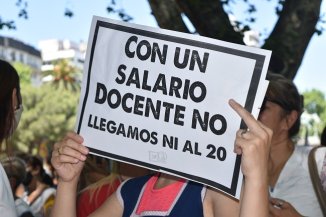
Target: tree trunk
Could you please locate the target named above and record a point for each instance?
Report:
(210, 19)
(291, 35)
(168, 15)
(288, 40)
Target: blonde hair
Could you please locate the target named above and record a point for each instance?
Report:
(110, 179)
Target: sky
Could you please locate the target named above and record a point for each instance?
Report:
(47, 21)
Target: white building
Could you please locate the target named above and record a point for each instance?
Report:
(53, 50)
(13, 50)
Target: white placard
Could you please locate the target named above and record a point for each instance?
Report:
(159, 99)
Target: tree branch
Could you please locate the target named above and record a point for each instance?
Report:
(291, 35)
(210, 19)
(168, 15)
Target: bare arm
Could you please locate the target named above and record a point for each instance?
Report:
(218, 204)
(36, 193)
(65, 204)
(254, 145)
(254, 201)
(68, 159)
(111, 207)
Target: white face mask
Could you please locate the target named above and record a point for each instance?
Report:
(18, 113)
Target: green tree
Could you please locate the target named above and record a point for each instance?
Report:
(64, 76)
(48, 114)
(315, 103)
(24, 72)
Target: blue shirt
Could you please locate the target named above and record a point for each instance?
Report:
(189, 203)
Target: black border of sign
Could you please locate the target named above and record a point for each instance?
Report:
(248, 104)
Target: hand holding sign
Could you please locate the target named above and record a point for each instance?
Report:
(68, 157)
(155, 98)
(254, 144)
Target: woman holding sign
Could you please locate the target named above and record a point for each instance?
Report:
(69, 155)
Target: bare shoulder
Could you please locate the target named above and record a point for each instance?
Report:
(111, 207)
(217, 203)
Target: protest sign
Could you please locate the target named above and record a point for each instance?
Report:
(159, 99)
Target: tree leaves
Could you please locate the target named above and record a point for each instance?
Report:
(48, 114)
(68, 13)
(9, 24)
(64, 76)
(49, 110)
(114, 9)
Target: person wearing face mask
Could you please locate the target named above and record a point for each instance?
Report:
(10, 111)
(41, 192)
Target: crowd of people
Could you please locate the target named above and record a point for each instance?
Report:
(32, 187)
(275, 169)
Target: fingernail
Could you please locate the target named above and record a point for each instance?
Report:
(83, 157)
(232, 101)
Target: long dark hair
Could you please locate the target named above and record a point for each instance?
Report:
(36, 162)
(9, 80)
(323, 137)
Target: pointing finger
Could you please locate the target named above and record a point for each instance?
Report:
(245, 115)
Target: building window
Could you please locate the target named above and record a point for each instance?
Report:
(21, 57)
(13, 56)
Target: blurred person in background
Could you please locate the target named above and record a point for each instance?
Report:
(291, 190)
(40, 190)
(95, 169)
(10, 112)
(50, 170)
(323, 137)
(16, 172)
(93, 196)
